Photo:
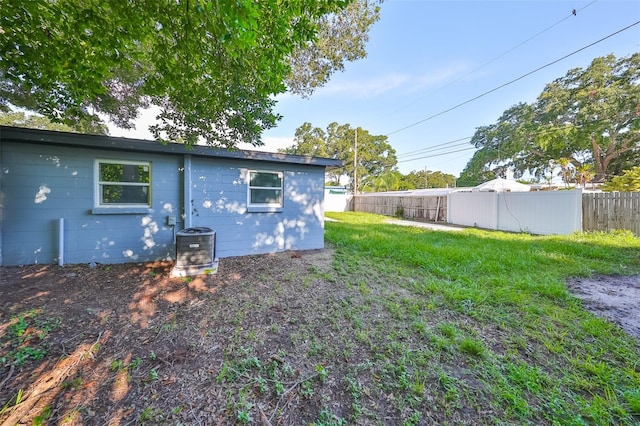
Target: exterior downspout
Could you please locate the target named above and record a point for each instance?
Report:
(60, 242)
(186, 203)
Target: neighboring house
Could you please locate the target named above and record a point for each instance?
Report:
(115, 200)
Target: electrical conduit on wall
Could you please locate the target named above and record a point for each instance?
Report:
(60, 242)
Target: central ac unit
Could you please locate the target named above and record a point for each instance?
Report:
(195, 247)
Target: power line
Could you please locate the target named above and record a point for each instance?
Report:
(571, 15)
(444, 144)
(437, 155)
(512, 81)
(430, 151)
(448, 145)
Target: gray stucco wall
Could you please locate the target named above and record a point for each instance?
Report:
(43, 183)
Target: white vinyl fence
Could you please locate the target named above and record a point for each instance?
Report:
(543, 213)
(336, 199)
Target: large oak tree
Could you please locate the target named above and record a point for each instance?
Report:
(589, 116)
(213, 67)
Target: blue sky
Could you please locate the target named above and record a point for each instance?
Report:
(425, 57)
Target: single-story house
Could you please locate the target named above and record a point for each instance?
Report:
(76, 198)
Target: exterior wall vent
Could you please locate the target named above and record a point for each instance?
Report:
(195, 249)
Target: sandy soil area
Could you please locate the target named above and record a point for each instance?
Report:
(616, 298)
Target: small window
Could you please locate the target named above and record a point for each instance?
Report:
(265, 189)
(123, 183)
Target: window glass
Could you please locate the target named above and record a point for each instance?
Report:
(110, 172)
(265, 188)
(266, 179)
(124, 183)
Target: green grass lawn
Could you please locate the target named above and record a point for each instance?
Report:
(391, 325)
(478, 326)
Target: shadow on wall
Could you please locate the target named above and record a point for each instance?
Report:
(297, 224)
(40, 190)
(290, 231)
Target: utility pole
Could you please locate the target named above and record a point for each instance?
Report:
(426, 181)
(355, 165)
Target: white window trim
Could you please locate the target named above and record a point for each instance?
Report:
(97, 200)
(265, 207)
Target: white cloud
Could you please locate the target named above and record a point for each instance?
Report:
(396, 81)
(440, 77)
(366, 88)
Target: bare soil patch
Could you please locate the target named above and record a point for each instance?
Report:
(126, 344)
(616, 298)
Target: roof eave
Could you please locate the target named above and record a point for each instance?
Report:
(25, 135)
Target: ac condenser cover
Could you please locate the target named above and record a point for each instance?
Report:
(195, 247)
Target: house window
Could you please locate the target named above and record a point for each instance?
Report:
(121, 183)
(265, 189)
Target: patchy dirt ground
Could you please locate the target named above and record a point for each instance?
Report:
(616, 298)
(125, 344)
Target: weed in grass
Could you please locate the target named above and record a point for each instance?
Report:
(526, 377)
(26, 333)
(116, 364)
(448, 330)
(151, 414)
(274, 328)
(72, 384)
(327, 418)
(42, 417)
(153, 375)
(322, 372)
(19, 324)
(278, 387)
(21, 355)
(316, 348)
(363, 288)
(306, 389)
(514, 403)
(306, 282)
(413, 420)
(244, 417)
(417, 388)
(449, 384)
(632, 398)
(472, 347)
(7, 405)
(135, 363)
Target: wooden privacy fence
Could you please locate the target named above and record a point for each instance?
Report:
(611, 210)
(431, 208)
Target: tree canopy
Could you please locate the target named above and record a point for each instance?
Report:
(589, 116)
(31, 121)
(375, 155)
(213, 67)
